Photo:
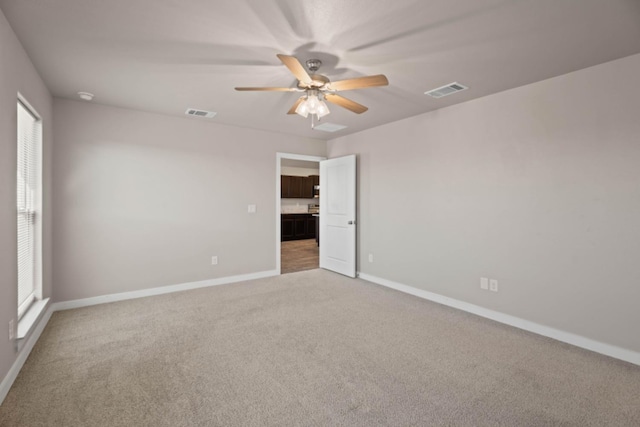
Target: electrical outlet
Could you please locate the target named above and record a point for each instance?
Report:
(214, 260)
(12, 329)
(493, 285)
(370, 257)
(484, 283)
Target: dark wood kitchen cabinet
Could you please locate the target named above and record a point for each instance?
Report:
(297, 227)
(285, 183)
(290, 187)
(287, 227)
(311, 227)
(297, 187)
(307, 187)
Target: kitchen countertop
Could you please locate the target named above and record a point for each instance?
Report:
(295, 213)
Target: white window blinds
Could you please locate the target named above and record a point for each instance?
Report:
(29, 135)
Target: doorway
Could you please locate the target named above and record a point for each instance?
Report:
(297, 210)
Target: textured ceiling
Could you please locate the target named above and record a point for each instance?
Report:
(165, 56)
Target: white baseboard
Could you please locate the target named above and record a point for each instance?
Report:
(566, 337)
(85, 302)
(577, 340)
(25, 350)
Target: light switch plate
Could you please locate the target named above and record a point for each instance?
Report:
(484, 283)
(252, 209)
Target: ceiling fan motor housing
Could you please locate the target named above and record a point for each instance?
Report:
(317, 81)
(313, 65)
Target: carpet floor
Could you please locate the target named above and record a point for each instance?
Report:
(308, 349)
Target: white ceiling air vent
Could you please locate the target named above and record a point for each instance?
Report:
(446, 90)
(200, 113)
(329, 127)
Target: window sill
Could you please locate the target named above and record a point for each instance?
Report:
(30, 318)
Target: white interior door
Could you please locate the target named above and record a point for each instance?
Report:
(338, 215)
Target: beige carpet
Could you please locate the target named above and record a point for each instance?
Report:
(311, 349)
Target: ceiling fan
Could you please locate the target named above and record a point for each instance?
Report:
(318, 88)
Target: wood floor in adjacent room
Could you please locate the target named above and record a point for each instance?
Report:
(299, 255)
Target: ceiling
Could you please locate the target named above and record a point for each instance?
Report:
(165, 56)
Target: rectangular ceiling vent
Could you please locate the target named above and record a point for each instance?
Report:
(200, 113)
(329, 127)
(446, 90)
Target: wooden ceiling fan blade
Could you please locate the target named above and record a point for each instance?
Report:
(359, 82)
(292, 110)
(296, 68)
(345, 103)
(269, 89)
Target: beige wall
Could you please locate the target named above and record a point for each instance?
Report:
(144, 200)
(296, 171)
(17, 74)
(538, 187)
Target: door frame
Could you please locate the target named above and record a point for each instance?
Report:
(279, 157)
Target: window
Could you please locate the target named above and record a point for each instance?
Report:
(28, 206)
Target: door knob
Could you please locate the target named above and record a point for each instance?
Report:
(351, 222)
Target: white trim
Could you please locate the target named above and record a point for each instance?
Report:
(85, 302)
(37, 208)
(25, 350)
(557, 334)
(279, 157)
(579, 341)
(30, 318)
(28, 105)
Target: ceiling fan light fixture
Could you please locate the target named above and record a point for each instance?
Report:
(319, 88)
(303, 109)
(312, 104)
(322, 109)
